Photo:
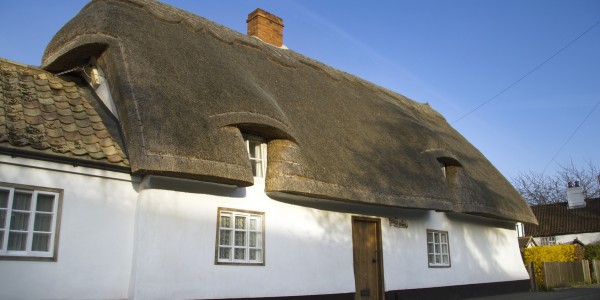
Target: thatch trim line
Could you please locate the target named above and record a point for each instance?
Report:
(324, 190)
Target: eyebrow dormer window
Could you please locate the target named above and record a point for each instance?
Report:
(257, 153)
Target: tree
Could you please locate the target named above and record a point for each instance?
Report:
(538, 188)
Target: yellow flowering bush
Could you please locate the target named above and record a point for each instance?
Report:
(539, 255)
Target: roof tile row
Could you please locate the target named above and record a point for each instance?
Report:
(44, 112)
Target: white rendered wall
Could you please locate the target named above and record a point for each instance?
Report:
(166, 249)
(308, 250)
(96, 234)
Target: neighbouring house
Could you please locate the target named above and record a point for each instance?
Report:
(575, 221)
(158, 155)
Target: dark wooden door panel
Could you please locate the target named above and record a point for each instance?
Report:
(366, 241)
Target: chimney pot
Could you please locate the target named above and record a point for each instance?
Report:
(265, 26)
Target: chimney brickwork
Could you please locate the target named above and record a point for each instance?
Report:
(265, 26)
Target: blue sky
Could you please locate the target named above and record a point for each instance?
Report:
(455, 55)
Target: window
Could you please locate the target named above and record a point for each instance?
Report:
(548, 241)
(438, 248)
(28, 221)
(240, 237)
(257, 152)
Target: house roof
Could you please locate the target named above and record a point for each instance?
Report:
(186, 89)
(526, 241)
(557, 219)
(44, 115)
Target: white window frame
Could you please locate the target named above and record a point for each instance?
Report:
(548, 241)
(438, 248)
(229, 246)
(7, 212)
(259, 161)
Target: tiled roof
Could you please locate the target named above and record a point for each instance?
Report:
(557, 219)
(41, 114)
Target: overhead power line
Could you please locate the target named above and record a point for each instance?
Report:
(526, 74)
(570, 137)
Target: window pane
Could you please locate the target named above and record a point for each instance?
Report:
(437, 259)
(224, 253)
(41, 242)
(19, 221)
(431, 259)
(430, 248)
(22, 200)
(437, 248)
(430, 237)
(225, 238)
(254, 149)
(4, 198)
(252, 224)
(225, 221)
(437, 237)
(255, 254)
(255, 168)
(240, 222)
(2, 219)
(42, 222)
(240, 238)
(444, 248)
(1, 239)
(17, 241)
(240, 253)
(45, 203)
(444, 238)
(253, 239)
(445, 259)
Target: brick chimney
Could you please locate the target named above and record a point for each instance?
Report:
(265, 26)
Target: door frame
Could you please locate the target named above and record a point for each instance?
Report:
(380, 280)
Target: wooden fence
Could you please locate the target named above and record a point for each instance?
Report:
(560, 274)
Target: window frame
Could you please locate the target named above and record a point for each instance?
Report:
(248, 139)
(548, 241)
(28, 254)
(248, 214)
(441, 253)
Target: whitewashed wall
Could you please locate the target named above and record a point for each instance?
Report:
(96, 234)
(119, 240)
(308, 250)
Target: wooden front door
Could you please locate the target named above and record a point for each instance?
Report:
(366, 244)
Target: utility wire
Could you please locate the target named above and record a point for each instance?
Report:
(571, 136)
(526, 74)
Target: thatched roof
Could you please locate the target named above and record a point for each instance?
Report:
(186, 88)
(44, 116)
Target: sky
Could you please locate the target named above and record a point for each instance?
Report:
(534, 65)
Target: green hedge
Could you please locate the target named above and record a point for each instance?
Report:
(592, 252)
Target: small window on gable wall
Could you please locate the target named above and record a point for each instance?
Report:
(29, 218)
(257, 153)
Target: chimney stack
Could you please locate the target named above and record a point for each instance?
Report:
(575, 196)
(265, 26)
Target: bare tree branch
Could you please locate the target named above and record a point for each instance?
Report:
(538, 188)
